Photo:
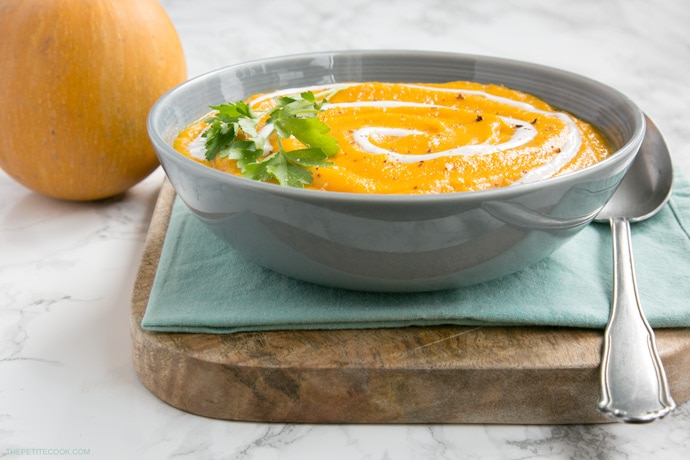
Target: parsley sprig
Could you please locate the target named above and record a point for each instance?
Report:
(233, 134)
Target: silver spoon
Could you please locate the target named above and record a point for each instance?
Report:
(634, 387)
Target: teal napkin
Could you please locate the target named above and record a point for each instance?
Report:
(203, 286)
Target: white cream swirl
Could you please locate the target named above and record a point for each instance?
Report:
(524, 132)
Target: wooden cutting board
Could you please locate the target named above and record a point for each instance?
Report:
(451, 374)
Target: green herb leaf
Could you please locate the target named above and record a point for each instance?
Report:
(233, 111)
(233, 134)
(218, 137)
(307, 157)
(312, 133)
(257, 171)
(245, 152)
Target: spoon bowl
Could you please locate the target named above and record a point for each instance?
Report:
(634, 387)
(647, 185)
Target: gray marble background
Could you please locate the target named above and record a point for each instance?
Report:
(67, 270)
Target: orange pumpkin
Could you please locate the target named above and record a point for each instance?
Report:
(77, 80)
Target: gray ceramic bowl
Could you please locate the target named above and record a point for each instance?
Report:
(396, 242)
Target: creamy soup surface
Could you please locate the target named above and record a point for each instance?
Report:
(399, 138)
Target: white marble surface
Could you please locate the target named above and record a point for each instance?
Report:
(67, 385)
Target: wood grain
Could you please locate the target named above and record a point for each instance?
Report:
(449, 374)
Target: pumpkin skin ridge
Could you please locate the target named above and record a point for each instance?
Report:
(78, 81)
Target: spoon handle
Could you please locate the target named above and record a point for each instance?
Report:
(634, 387)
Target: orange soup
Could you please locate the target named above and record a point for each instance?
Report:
(413, 138)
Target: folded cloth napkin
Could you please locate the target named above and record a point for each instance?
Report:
(202, 285)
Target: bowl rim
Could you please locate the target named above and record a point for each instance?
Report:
(499, 193)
